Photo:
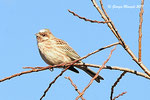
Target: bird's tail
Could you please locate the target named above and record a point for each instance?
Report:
(91, 73)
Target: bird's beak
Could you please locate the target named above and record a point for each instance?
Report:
(36, 34)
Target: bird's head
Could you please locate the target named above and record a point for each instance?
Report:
(44, 35)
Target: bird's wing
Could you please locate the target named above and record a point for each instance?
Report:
(64, 47)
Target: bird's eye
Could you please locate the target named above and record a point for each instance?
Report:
(43, 35)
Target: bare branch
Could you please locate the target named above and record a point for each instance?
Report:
(54, 82)
(116, 33)
(92, 21)
(116, 68)
(22, 73)
(140, 29)
(119, 95)
(112, 68)
(72, 64)
(37, 69)
(89, 65)
(101, 3)
(95, 75)
(115, 84)
(75, 87)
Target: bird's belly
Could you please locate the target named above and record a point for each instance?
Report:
(53, 57)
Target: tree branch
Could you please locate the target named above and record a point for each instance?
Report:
(71, 63)
(116, 33)
(75, 87)
(116, 68)
(92, 21)
(119, 95)
(96, 74)
(56, 79)
(115, 84)
(37, 69)
(140, 29)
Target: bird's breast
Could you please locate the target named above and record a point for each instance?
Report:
(52, 55)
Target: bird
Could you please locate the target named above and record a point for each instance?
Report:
(55, 51)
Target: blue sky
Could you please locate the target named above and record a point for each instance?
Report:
(21, 19)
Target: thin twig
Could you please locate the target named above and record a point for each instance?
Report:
(104, 17)
(33, 67)
(140, 29)
(89, 65)
(75, 87)
(112, 68)
(119, 95)
(116, 68)
(91, 81)
(36, 69)
(72, 64)
(21, 73)
(101, 3)
(53, 82)
(92, 21)
(115, 84)
(123, 44)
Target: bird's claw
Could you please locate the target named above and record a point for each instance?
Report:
(51, 69)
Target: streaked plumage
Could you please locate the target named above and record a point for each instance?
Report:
(56, 51)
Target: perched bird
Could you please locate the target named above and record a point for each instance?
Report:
(55, 51)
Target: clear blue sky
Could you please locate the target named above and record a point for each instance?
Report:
(21, 19)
